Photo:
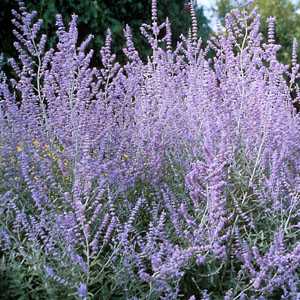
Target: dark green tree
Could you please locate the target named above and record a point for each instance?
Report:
(95, 16)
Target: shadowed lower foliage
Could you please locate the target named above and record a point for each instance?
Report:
(172, 179)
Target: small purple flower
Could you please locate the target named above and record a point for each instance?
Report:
(82, 291)
(49, 271)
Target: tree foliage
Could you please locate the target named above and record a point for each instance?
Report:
(98, 15)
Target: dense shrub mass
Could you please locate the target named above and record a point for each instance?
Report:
(178, 178)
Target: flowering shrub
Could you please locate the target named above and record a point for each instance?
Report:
(178, 178)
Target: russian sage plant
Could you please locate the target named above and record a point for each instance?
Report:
(174, 178)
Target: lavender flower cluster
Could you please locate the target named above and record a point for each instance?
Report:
(175, 178)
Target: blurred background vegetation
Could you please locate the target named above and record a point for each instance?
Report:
(95, 16)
